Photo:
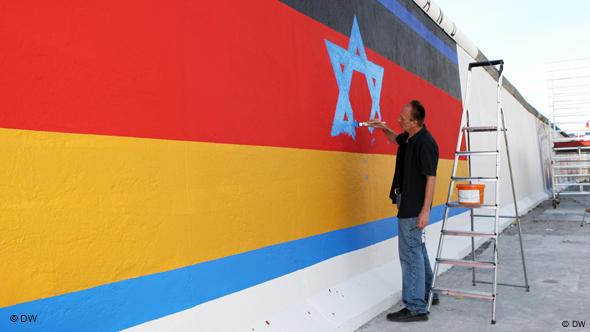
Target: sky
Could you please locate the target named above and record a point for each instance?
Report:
(528, 35)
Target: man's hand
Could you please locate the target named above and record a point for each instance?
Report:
(428, 197)
(423, 218)
(376, 123)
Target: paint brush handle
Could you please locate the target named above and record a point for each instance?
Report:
(366, 124)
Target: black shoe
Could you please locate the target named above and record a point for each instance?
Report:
(409, 317)
(397, 314)
(435, 301)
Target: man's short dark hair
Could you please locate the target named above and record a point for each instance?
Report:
(418, 111)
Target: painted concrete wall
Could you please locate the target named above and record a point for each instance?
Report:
(168, 164)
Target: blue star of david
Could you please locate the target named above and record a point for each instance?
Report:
(344, 62)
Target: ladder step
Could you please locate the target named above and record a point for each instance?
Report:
(482, 129)
(573, 184)
(493, 216)
(499, 284)
(472, 206)
(467, 294)
(470, 234)
(474, 178)
(572, 175)
(466, 263)
(476, 153)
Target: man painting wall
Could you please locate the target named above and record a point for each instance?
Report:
(413, 191)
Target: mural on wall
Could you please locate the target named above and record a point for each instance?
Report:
(222, 177)
(344, 62)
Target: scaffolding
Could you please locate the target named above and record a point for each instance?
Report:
(569, 101)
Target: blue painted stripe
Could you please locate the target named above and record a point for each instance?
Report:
(405, 16)
(134, 301)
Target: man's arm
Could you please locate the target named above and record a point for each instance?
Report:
(389, 133)
(424, 215)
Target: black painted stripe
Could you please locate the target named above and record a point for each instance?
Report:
(386, 34)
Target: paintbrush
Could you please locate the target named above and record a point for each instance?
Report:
(366, 124)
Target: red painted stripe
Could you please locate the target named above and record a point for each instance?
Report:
(242, 72)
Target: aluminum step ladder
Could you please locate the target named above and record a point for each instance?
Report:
(466, 130)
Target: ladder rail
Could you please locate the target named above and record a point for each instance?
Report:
(469, 175)
(497, 211)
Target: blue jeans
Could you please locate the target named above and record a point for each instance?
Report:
(416, 270)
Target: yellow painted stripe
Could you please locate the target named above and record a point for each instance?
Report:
(82, 210)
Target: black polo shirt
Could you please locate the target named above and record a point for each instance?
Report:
(417, 157)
